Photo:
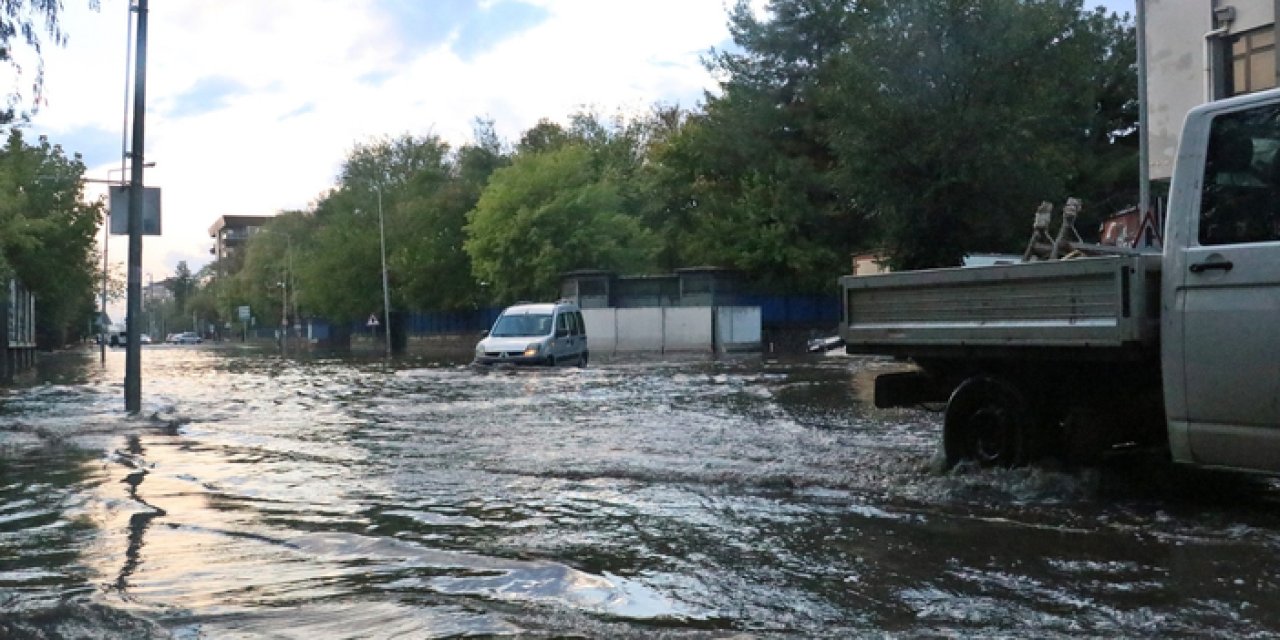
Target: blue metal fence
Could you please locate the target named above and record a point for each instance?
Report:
(794, 312)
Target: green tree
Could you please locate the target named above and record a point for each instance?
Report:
(47, 235)
(548, 213)
(394, 179)
(747, 183)
(952, 120)
(266, 278)
(436, 271)
(182, 284)
(202, 305)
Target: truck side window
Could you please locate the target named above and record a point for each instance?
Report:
(1241, 192)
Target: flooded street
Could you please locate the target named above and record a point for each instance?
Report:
(261, 497)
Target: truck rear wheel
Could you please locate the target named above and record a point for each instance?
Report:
(987, 421)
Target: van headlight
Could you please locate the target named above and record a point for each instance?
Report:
(479, 348)
(532, 350)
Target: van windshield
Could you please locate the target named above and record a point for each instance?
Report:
(532, 324)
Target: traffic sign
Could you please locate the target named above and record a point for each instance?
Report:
(373, 321)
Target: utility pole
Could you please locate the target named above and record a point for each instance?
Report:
(133, 353)
(1144, 138)
(386, 292)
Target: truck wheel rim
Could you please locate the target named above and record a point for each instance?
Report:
(991, 435)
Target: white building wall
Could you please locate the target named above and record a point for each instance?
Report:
(738, 329)
(667, 329)
(1178, 78)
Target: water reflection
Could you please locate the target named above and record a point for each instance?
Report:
(138, 522)
(258, 496)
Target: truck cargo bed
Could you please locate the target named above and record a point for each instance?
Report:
(1096, 305)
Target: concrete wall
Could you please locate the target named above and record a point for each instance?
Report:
(738, 329)
(663, 329)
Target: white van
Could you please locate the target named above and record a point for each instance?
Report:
(548, 333)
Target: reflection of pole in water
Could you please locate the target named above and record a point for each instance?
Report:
(138, 522)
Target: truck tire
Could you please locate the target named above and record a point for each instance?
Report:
(987, 421)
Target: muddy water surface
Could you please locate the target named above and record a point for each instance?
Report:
(261, 497)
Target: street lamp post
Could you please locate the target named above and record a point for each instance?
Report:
(284, 316)
(386, 292)
(106, 249)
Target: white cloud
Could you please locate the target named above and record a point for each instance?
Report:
(318, 76)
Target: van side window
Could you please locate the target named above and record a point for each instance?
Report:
(582, 324)
(573, 324)
(1242, 179)
(562, 322)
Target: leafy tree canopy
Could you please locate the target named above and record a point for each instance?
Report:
(549, 213)
(928, 128)
(47, 233)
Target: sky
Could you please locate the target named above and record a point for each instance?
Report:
(253, 105)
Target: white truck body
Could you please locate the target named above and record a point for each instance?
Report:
(1198, 324)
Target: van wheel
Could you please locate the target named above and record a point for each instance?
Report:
(987, 421)
(582, 358)
(551, 361)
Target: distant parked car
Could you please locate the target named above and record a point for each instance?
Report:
(188, 337)
(144, 339)
(172, 338)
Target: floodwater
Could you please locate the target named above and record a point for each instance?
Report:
(262, 497)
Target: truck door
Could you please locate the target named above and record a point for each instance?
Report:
(1227, 307)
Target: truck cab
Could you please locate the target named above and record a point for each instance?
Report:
(1221, 287)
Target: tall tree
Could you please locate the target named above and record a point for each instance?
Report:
(952, 120)
(548, 213)
(436, 269)
(47, 235)
(182, 284)
(926, 127)
(747, 183)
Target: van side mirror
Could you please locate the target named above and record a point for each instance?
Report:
(484, 334)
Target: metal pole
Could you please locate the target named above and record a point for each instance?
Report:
(386, 292)
(1144, 138)
(133, 355)
(284, 316)
(124, 154)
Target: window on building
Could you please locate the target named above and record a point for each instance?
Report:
(1253, 60)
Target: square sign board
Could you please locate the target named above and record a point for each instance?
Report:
(119, 195)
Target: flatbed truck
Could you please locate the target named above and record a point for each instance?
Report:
(1073, 357)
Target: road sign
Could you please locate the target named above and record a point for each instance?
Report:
(244, 313)
(119, 197)
(373, 321)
